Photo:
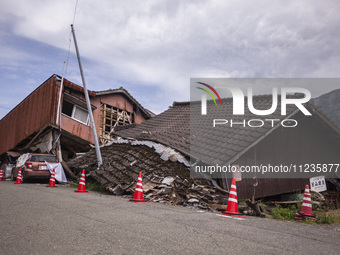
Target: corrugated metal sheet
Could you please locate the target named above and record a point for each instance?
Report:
(35, 112)
(78, 129)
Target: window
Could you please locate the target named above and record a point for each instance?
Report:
(75, 112)
(80, 114)
(43, 158)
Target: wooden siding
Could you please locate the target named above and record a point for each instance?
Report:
(76, 128)
(35, 112)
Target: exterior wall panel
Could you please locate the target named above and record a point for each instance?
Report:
(76, 128)
(29, 116)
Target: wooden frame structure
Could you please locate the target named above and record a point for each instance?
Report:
(110, 117)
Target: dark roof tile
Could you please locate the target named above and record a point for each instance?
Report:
(182, 126)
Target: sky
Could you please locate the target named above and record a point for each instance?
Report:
(153, 47)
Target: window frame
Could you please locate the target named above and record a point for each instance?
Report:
(73, 112)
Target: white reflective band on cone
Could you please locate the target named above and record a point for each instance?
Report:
(308, 205)
(140, 179)
(233, 193)
(307, 199)
(232, 199)
(137, 189)
(83, 183)
(233, 186)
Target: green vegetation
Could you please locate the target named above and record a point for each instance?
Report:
(322, 218)
(93, 186)
(289, 214)
(284, 213)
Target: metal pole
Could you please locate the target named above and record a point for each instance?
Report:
(60, 92)
(99, 156)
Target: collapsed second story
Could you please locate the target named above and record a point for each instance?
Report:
(40, 112)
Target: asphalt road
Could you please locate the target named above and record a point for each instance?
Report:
(39, 220)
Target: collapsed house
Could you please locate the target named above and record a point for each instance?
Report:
(185, 131)
(166, 178)
(41, 120)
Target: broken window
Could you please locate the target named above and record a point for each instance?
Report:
(110, 117)
(75, 112)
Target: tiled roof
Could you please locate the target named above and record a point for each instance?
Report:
(123, 162)
(220, 145)
(170, 128)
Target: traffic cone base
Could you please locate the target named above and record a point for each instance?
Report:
(301, 216)
(138, 196)
(81, 186)
(138, 201)
(232, 214)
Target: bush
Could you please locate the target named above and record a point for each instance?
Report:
(93, 186)
(283, 213)
(322, 218)
(289, 214)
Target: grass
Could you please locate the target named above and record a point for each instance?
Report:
(323, 218)
(289, 214)
(93, 186)
(280, 213)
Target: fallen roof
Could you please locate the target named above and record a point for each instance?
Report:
(166, 174)
(183, 124)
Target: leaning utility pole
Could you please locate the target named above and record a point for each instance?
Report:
(89, 109)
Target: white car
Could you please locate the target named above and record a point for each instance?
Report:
(7, 162)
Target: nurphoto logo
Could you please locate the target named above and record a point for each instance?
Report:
(239, 104)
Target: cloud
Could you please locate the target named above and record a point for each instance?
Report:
(154, 47)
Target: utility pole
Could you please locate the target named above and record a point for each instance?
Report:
(89, 109)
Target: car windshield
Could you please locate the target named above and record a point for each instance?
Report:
(43, 158)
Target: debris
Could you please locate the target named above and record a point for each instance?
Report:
(165, 182)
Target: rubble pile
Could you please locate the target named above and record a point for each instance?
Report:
(166, 174)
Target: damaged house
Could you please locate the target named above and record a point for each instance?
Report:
(315, 139)
(37, 124)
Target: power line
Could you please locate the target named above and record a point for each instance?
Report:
(70, 37)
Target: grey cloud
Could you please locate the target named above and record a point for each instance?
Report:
(161, 44)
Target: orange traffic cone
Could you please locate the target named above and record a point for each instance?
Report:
(138, 197)
(51, 184)
(19, 177)
(306, 210)
(81, 186)
(1, 175)
(232, 206)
